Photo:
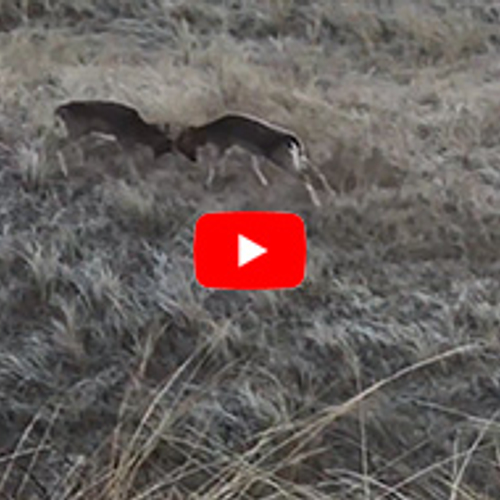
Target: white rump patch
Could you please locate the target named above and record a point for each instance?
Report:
(297, 158)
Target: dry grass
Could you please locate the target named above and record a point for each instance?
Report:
(121, 378)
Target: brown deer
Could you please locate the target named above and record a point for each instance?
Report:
(281, 147)
(106, 117)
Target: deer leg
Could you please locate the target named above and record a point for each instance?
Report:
(62, 163)
(312, 193)
(74, 146)
(305, 178)
(214, 157)
(211, 167)
(80, 152)
(222, 164)
(258, 171)
(210, 177)
(130, 156)
(128, 151)
(132, 172)
(319, 175)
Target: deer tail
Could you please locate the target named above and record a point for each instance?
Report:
(297, 157)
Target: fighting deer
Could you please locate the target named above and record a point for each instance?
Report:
(106, 117)
(281, 147)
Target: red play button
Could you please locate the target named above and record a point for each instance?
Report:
(250, 250)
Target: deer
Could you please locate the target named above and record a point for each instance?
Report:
(279, 146)
(124, 123)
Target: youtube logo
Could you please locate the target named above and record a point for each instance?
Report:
(250, 250)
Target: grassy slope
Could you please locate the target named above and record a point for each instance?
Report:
(378, 378)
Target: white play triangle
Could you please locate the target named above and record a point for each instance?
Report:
(248, 250)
